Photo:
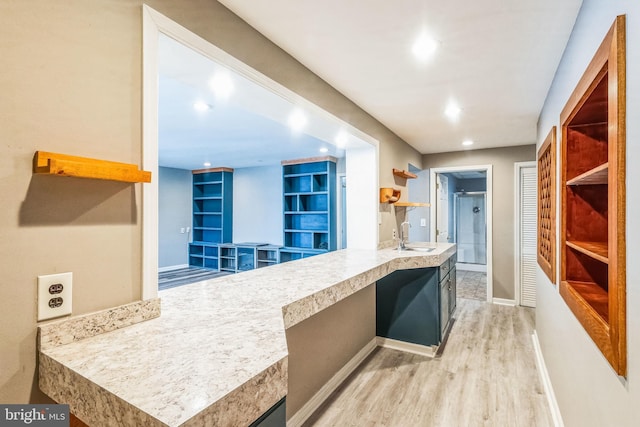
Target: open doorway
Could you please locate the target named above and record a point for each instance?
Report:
(360, 150)
(461, 214)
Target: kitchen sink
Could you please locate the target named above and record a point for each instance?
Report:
(416, 249)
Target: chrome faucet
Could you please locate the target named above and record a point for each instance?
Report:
(401, 241)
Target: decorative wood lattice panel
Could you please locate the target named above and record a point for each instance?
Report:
(547, 206)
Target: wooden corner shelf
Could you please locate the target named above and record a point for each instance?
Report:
(596, 176)
(404, 174)
(596, 250)
(593, 200)
(83, 167)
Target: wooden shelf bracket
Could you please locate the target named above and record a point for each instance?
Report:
(83, 167)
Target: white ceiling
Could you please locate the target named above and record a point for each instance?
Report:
(495, 58)
(248, 129)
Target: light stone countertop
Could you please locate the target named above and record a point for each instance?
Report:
(217, 353)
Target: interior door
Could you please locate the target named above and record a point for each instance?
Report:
(527, 222)
(442, 208)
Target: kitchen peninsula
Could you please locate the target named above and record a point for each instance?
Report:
(218, 353)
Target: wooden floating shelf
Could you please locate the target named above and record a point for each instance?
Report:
(595, 176)
(83, 167)
(412, 204)
(404, 174)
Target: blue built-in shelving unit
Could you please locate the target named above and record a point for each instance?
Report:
(212, 215)
(309, 187)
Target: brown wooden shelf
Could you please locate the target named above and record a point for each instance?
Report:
(83, 167)
(595, 176)
(593, 199)
(404, 174)
(412, 204)
(595, 298)
(597, 250)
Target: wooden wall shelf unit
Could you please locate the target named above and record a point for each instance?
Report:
(547, 206)
(83, 167)
(404, 174)
(592, 243)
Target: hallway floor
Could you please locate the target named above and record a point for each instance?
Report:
(487, 376)
(471, 285)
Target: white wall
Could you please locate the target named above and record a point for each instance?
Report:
(174, 213)
(257, 205)
(588, 391)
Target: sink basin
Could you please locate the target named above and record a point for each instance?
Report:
(416, 249)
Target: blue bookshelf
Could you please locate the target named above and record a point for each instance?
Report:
(309, 188)
(212, 215)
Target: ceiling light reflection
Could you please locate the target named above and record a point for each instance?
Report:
(452, 111)
(297, 120)
(221, 84)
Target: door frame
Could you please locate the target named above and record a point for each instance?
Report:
(517, 169)
(434, 200)
(438, 208)
(456, 199)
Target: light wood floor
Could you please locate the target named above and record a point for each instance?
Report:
(471, 284)
(486, 376)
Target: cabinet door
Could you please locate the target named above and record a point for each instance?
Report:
(407, 306)
(444, 305)
(452, 290)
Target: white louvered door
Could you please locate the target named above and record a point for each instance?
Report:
(527, 241)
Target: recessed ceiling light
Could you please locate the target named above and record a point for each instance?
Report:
(424, 47)
(467, 142)
(207, 164)
(297, 120)
(201, 106)
(221, 84)
(452, 111)
(324, 149)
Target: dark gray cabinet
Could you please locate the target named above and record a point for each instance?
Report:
(416, 305)
(274, 417)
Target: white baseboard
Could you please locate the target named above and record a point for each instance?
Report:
(482, 268)
(504, 301)
(172, 267)
(318, 399)
(546, 382)
(407, 347)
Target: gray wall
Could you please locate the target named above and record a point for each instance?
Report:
(57, 57)
(588, 392)
(174, 213)
(257, 205)
(502, 160)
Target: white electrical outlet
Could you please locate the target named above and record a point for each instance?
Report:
(395, 235)
(54, 295)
